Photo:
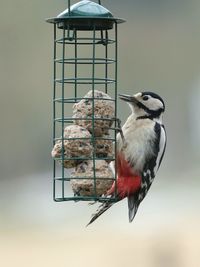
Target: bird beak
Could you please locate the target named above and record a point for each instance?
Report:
(128, 98)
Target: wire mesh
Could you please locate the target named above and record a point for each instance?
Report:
(84, 61)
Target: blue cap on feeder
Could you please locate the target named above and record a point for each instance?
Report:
(84, 15)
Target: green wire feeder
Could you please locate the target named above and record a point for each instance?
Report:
(85, 123)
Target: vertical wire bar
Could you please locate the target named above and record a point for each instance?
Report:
(116, 78)
(69, 9)
(76, 67)
(54, 110)
(106, 64)
(63, 109)
(93, 116)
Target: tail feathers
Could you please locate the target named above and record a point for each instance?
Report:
(132, 207)
(102, 208)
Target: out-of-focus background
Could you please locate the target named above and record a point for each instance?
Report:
(158, 50)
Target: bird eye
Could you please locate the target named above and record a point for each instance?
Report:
(145, 97)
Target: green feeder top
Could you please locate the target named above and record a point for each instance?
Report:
(83, 15)
(86, 8)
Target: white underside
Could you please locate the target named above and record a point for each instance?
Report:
(139, 138)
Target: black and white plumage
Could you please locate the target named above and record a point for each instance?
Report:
(141, 150)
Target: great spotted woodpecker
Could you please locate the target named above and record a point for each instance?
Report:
(139, 152)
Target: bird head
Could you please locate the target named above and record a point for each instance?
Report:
(145, 104)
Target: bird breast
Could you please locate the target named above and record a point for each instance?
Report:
(139, 138)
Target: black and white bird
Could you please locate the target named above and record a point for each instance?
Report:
(140, 150)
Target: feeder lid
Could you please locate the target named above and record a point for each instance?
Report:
(85, 10)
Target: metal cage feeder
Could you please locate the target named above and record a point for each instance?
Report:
(85, 59)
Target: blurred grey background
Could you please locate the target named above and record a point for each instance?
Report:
(159, 51)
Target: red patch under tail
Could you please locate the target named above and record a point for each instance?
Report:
(128, 182)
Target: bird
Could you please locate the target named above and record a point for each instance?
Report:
(140, 150)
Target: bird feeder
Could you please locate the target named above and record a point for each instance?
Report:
(85, 121)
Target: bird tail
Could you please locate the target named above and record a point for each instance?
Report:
(132, 207)
(102, 208)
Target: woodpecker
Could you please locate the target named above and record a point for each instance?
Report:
(140, 150)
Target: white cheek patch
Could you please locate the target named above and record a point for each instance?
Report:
(153, 104)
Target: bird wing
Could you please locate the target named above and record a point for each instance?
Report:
(150, 168)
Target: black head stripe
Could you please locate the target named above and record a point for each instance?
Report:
(152, 113)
